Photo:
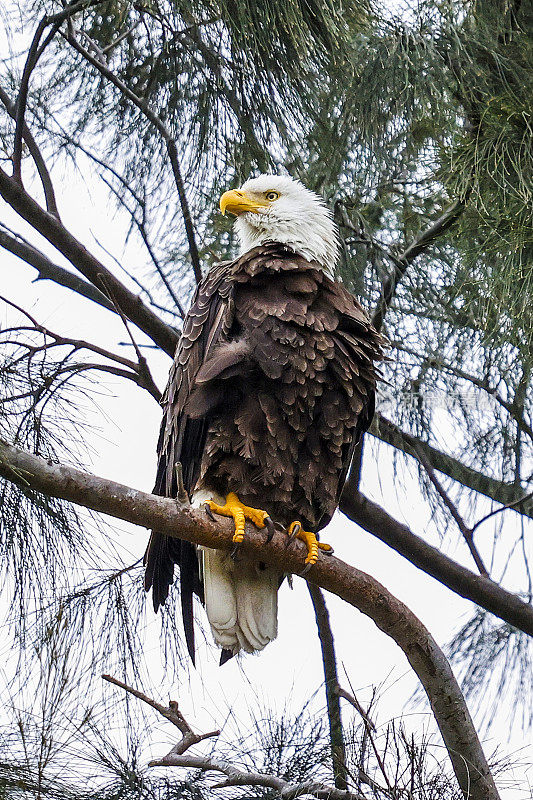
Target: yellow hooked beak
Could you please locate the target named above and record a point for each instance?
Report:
(237, 202)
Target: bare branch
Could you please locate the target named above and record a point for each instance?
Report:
(142, 369)
(477, 588)
(355, 587)
(141, 227)
(466, 532)
(512, 505)
(36, 154)
(34, 53)
(331, 682)
(352, 699)
(53, 230)
(138, 372)
(509, 494)
(171, 713)
(237, 777)
(193, 249)
(370, 730)
(17, 245)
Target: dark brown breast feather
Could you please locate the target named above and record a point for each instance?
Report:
(272, 386)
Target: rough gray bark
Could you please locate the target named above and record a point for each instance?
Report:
(355, 587)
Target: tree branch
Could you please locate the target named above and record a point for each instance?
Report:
(355, 587)
(331, 683)
(237, 777)
(36, 154)
(403, 260)
(152, 117)
(141, 228)
(466, 532)
(477, 588)
(171, 713)
(508, 494)
(49, 271)
(34, 53)
(89, 266)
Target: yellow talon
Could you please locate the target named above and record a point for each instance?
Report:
(311, 542)
(240, 513)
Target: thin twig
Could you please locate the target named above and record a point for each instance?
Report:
(357, 705)
(404, 259)
(152, 117)
(466, 532)
(370, 730)
(142, 369)
(193, 249)
(34, 53)
(141, 227)
(514, 504)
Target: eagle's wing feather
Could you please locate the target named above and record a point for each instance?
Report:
(182, 438)
(358, 347)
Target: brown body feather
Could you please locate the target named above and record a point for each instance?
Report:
(272, 386)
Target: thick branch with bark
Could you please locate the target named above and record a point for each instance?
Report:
(477, 588)
(355, 587)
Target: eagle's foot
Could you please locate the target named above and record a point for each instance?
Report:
(240, 513)
(296, 531)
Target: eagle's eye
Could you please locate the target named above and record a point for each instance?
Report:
(271, 196)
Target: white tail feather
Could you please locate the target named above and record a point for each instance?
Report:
(241, 597)
(241, 601)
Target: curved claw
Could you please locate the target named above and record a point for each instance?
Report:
(269, 525)
(234, 552)
(294, 531)
(305, 570)
(207, 509)
(311, 542)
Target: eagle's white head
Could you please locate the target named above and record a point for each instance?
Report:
(280, 209)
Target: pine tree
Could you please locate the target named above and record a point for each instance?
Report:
(416, 128)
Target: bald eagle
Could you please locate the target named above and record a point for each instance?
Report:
(271, 388)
